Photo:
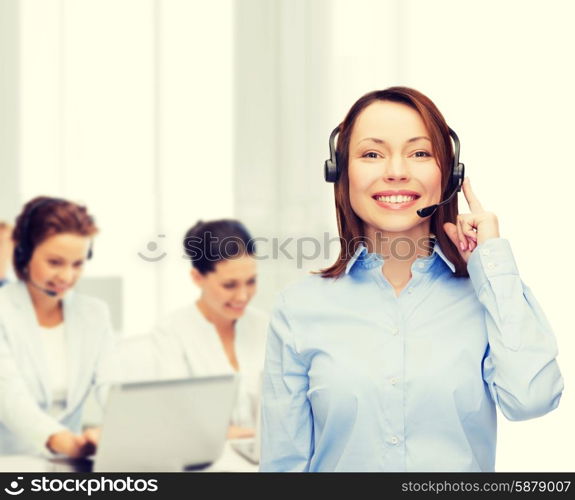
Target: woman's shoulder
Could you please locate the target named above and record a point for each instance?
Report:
(181, 318)
(12, 292)
(5, 292)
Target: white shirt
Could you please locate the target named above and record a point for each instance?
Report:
(26, 388)
(185, 344)
(54, 342)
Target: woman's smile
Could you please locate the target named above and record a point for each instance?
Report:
(396, 200)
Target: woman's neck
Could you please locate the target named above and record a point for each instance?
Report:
(400, 246)
(400, 250)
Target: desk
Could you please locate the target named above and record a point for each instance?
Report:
(230, 461)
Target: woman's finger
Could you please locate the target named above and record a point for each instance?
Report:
(461, 234)
(472, 200)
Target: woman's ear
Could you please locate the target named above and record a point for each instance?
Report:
(197, 277)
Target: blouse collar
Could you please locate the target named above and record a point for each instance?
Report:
(368, 260)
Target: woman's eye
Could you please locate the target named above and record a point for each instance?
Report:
(54, 262)
(229, 286)
(371, 154)
(422, 154)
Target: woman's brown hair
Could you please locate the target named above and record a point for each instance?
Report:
(350, 226)
(41, 218)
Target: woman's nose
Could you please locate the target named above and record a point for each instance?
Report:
(242, 295)
(66, 275)
(396, 170)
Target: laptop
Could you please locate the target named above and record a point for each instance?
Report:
(167, 425)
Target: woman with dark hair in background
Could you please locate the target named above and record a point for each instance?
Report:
(396, 356)
(52, 341)
(217, 334)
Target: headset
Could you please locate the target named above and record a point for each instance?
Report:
(332, 170)
(24, 249)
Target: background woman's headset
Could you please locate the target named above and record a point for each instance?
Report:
(24, 249)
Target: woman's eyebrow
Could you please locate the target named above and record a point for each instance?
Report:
(377, 140)
(372, 139)
(413, 139)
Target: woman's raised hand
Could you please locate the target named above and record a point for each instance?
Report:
(473, 228)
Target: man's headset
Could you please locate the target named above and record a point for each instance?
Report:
(332, 171)
(24, 249)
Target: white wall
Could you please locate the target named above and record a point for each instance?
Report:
(9, 103)
(126, 106)
(282, 97)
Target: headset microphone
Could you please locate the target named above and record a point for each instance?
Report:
(455, 181)
(333, 167)
(50, 293)
(430, 210)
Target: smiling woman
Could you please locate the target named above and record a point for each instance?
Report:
(52, 342)
(220, 333)
(396, 356)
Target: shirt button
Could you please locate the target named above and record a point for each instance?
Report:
(421, 265)
(394, 440)
(410, 291)
(395, 331)
(393, 380)
(490, 266)
(485, 251)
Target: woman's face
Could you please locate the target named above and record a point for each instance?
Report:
(58, 262)
(229, 288)
(392, 170)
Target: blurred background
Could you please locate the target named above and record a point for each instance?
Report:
(157, 113)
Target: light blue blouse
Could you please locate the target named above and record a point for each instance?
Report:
(358, 379)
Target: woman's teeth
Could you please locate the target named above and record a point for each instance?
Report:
(395, 198)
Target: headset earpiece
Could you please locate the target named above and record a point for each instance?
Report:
(331, 168)
(457, 169)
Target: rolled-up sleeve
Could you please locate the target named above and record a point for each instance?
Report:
(519, 366)
(287, 427)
